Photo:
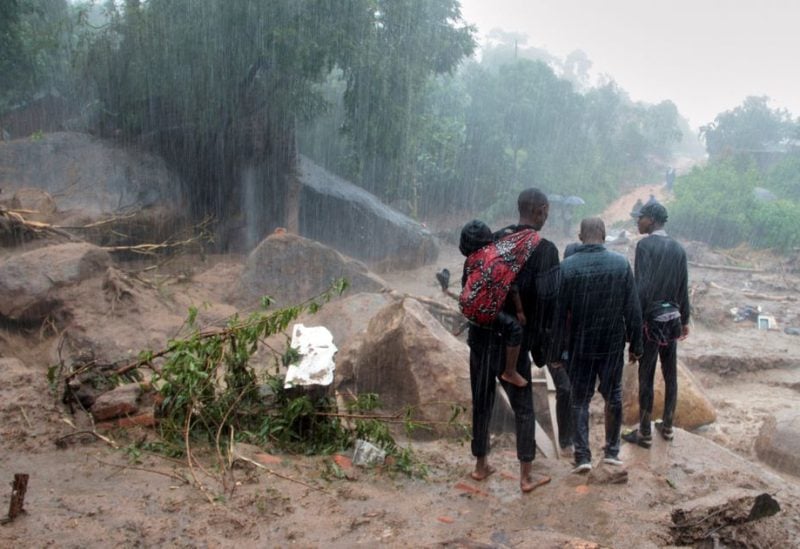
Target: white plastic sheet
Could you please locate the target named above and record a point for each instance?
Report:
(316, 348)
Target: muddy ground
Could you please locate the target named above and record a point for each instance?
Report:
(88, 494)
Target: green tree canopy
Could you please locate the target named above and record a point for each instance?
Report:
(750, 127)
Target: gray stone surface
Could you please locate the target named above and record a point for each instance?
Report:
(694, 409)
(28, 280)
(86, 173)
(778, 442)
(292, 269)
(409, 359)
(342, 215)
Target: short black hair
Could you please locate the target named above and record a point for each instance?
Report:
(530, 199)
(474, 236)
(655, 211)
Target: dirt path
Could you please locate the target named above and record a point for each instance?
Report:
(619, 211)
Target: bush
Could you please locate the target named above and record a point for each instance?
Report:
(776, 225)
(716, 204)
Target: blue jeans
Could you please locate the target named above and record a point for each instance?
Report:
(584, 375)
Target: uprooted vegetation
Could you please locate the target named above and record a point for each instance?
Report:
(210, 395)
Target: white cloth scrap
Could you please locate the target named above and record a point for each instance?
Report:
(316, 348)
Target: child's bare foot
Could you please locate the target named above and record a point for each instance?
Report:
(482, 472)
(530, 483)
(514, 378)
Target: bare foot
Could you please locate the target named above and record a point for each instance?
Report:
(514, 378)
(482, 473)
(529, 484)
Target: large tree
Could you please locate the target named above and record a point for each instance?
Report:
(218, 86)
(34, 49)
(751, 127)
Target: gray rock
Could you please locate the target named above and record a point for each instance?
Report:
(693, 410)
(340, 214)
(292, 269)
(778, 442)
(28, 280)
(87, 174)
(408, 358)
(347, 317)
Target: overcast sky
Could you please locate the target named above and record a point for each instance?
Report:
(704, 55)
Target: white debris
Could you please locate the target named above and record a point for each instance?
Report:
(316, 348)
(366, 454)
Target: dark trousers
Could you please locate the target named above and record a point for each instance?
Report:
(487, 355)
(647, 370)
(584, 374)
(563, 404)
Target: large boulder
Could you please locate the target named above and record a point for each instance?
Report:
(36, 201)
(693, 410)
(349, 316)
(88, 174)
(409, 359)
(355, 222)
(28, 280)
(112, 317)
(778, 442)
(292, 269)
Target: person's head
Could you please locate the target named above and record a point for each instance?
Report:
(652, 217)
(533, 208)
(474, 236)
(593, 231)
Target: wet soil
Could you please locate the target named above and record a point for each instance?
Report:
(88, 494)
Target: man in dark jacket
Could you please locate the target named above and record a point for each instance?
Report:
(662, 281)
(598, 311)
(537, 284)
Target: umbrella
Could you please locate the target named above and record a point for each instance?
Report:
(764, 194)
(574, 201)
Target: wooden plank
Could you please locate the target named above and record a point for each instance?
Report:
(551, 402)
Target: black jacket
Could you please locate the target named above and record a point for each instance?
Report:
(598, 310)
(662, 274)
(537, 284)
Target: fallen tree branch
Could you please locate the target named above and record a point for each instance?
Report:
(101, 222)
(396, 418)
(279, 475)
(726, 268)
(698, 520)
(754, 295)
(60, 441)
(18, 220)
(151, 249)
(189, 458)
(121, 467)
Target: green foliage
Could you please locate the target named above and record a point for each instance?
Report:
(505, 123)
(716, 204)
(207, 383)
(34, 49)
(750, 127)
(784, 177)
(777, 225)
(211, 393)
